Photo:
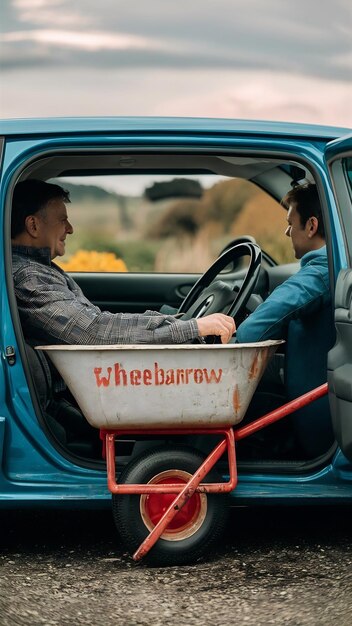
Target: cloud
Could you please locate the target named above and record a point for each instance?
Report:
(92, 41)
(50, 13)
(251, 59)
(196, 93)
(311, 38)
(262, 95)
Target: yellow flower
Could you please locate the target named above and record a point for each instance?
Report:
(92, 261)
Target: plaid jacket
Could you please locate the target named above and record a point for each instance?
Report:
(53, 309)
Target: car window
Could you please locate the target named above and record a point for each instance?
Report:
(166, 223)
(341, 171)
(348, 169)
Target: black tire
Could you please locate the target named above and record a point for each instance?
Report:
(175, 547)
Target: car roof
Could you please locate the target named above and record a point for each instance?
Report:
(73, 125)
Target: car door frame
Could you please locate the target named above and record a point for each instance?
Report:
(340, 357)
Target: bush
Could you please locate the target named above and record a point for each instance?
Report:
(93, 261)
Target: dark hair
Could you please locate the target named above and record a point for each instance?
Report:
(29, 197)
(307, 204)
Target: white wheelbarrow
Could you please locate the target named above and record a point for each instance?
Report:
(160, 501)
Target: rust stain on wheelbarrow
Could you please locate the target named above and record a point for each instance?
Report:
(254, 369)
(236, 399)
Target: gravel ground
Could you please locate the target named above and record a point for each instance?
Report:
(275, 566)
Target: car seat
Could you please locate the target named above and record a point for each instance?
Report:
(60, 412)
(307, 347)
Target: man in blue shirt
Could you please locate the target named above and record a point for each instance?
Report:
(300, 311)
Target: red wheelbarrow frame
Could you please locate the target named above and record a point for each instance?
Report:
(185, 492)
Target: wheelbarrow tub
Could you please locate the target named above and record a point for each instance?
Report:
(162, 386)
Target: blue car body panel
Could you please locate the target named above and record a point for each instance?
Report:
(32, 470)
(86, 125)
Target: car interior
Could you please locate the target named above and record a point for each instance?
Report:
(168, 216)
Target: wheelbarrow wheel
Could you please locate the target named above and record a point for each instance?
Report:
(198, 526)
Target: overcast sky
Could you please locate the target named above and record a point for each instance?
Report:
(268, 59)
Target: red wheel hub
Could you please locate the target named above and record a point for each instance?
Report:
(188, 519)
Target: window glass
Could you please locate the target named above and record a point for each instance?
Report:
(347, 163)
(166, 223)
(341, 171)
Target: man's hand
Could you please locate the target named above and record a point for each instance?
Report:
(217, 324)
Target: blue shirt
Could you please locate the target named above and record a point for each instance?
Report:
(300, 312)
(299, 297)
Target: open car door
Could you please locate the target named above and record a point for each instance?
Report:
(339, 159)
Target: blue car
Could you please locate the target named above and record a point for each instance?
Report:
(154, 203)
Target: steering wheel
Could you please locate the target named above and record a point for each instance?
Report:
(266, 258)
(216, 296)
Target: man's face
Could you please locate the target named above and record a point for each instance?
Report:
(53, 227)
(300, 235)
